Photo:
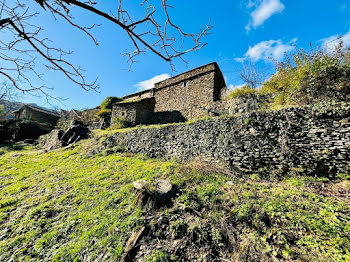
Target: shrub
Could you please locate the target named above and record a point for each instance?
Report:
(310, 76)
(104, 113)
(242, 91)
(282, 88)
(328, 75)
(160, 256)
(118, 123)
(7, 130)
(2, 112)
(109, 101)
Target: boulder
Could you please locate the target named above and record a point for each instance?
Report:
(57, 138)
(140, 184)
(74, 134)
(164, 191)
(52, 140)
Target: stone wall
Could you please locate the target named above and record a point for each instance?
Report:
(140, 95)
(185, 96)
(295, 138)
(27, 113)
(191, 92)
(134, 112)
(187, 99)
(87, 117)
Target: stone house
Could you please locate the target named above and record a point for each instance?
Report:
(37, 114)
(135, 111)
(72, 114)
(183, 97)
(87, 117)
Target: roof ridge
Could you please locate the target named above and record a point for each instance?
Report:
(212, 63)
(149, 90)
(39, 108)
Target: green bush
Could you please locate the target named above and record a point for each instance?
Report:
(104, 113)
(109, 101)
(118, 123)
(282, 88)
(328, 75)
(310, 76)
(8, 129)
(241, 92)
(160, 256)
(2, 112)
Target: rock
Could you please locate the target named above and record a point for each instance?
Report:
(74, 134)
(29, 141)
(142, 196)
(130, 245)
(230, 183)
(140, 184)
(164, 191)
(57, 138)
(51, 140)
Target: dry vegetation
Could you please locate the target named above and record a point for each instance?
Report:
(305, 77)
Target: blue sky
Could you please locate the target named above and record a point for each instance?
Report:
(253, 30)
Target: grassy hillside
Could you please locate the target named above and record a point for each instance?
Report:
(68, 206)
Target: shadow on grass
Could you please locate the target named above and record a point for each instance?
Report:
(11, 147)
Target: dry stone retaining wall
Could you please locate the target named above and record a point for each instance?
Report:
(297, 138)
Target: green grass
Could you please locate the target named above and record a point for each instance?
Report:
(65, 206)
(117, 129)
(62, 205)
(285, 218)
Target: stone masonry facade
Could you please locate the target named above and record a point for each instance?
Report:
(134, 112)
(180, 98)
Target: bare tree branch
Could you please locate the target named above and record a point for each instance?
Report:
(19, 53)
(8, 96)
(250, 75)
(162, 45)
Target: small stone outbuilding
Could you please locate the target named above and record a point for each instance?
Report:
(137, 111)
(36, 114)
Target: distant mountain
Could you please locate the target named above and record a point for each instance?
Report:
(9, 107)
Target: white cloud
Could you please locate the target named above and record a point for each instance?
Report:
(232, 87)
(265, 50)
(148, 84)
(264, 11)
(330, 43)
